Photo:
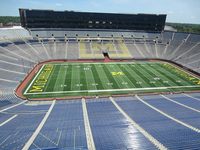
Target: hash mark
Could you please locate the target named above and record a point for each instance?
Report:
(109, 83)
(138, 82)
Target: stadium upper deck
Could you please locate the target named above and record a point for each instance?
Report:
(85, 20)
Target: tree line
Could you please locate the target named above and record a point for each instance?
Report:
(9, 19)
(191, 28)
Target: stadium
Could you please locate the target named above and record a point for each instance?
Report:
(87, 80)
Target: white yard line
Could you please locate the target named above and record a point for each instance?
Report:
(138, 127)
(9, 119)
(33, 79)
(12, 106)
(37, 131)
(169, 99)
(115, 90)
(168, 116)
(88, 131)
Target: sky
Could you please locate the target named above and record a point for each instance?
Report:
(179, 11)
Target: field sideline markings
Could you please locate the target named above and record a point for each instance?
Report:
(168, 116)
(138, 127)
(9, 119)
(61, 77)
(118, 81)
(34, 79)
(161, 76)
(110, 63)
(185, 71)
(125, 78)
(115, 90)
(136, 75)
(170, 76)
(37, 131)
(191, 108)
(88, 131)
(90, 79)
(13, 106)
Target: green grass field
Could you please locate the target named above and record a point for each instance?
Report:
(89, 79)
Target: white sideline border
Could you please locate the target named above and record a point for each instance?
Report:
(34, 79)
(114, 90)
(108, 63)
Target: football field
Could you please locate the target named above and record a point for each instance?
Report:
(93, 79)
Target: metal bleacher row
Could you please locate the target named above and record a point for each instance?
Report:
(144, 122)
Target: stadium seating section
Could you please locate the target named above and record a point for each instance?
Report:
(20, 52)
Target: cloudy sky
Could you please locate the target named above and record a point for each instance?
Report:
(181, 11)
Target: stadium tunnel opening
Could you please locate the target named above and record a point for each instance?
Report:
(106, 55)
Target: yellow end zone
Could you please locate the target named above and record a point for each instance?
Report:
(41, 80)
